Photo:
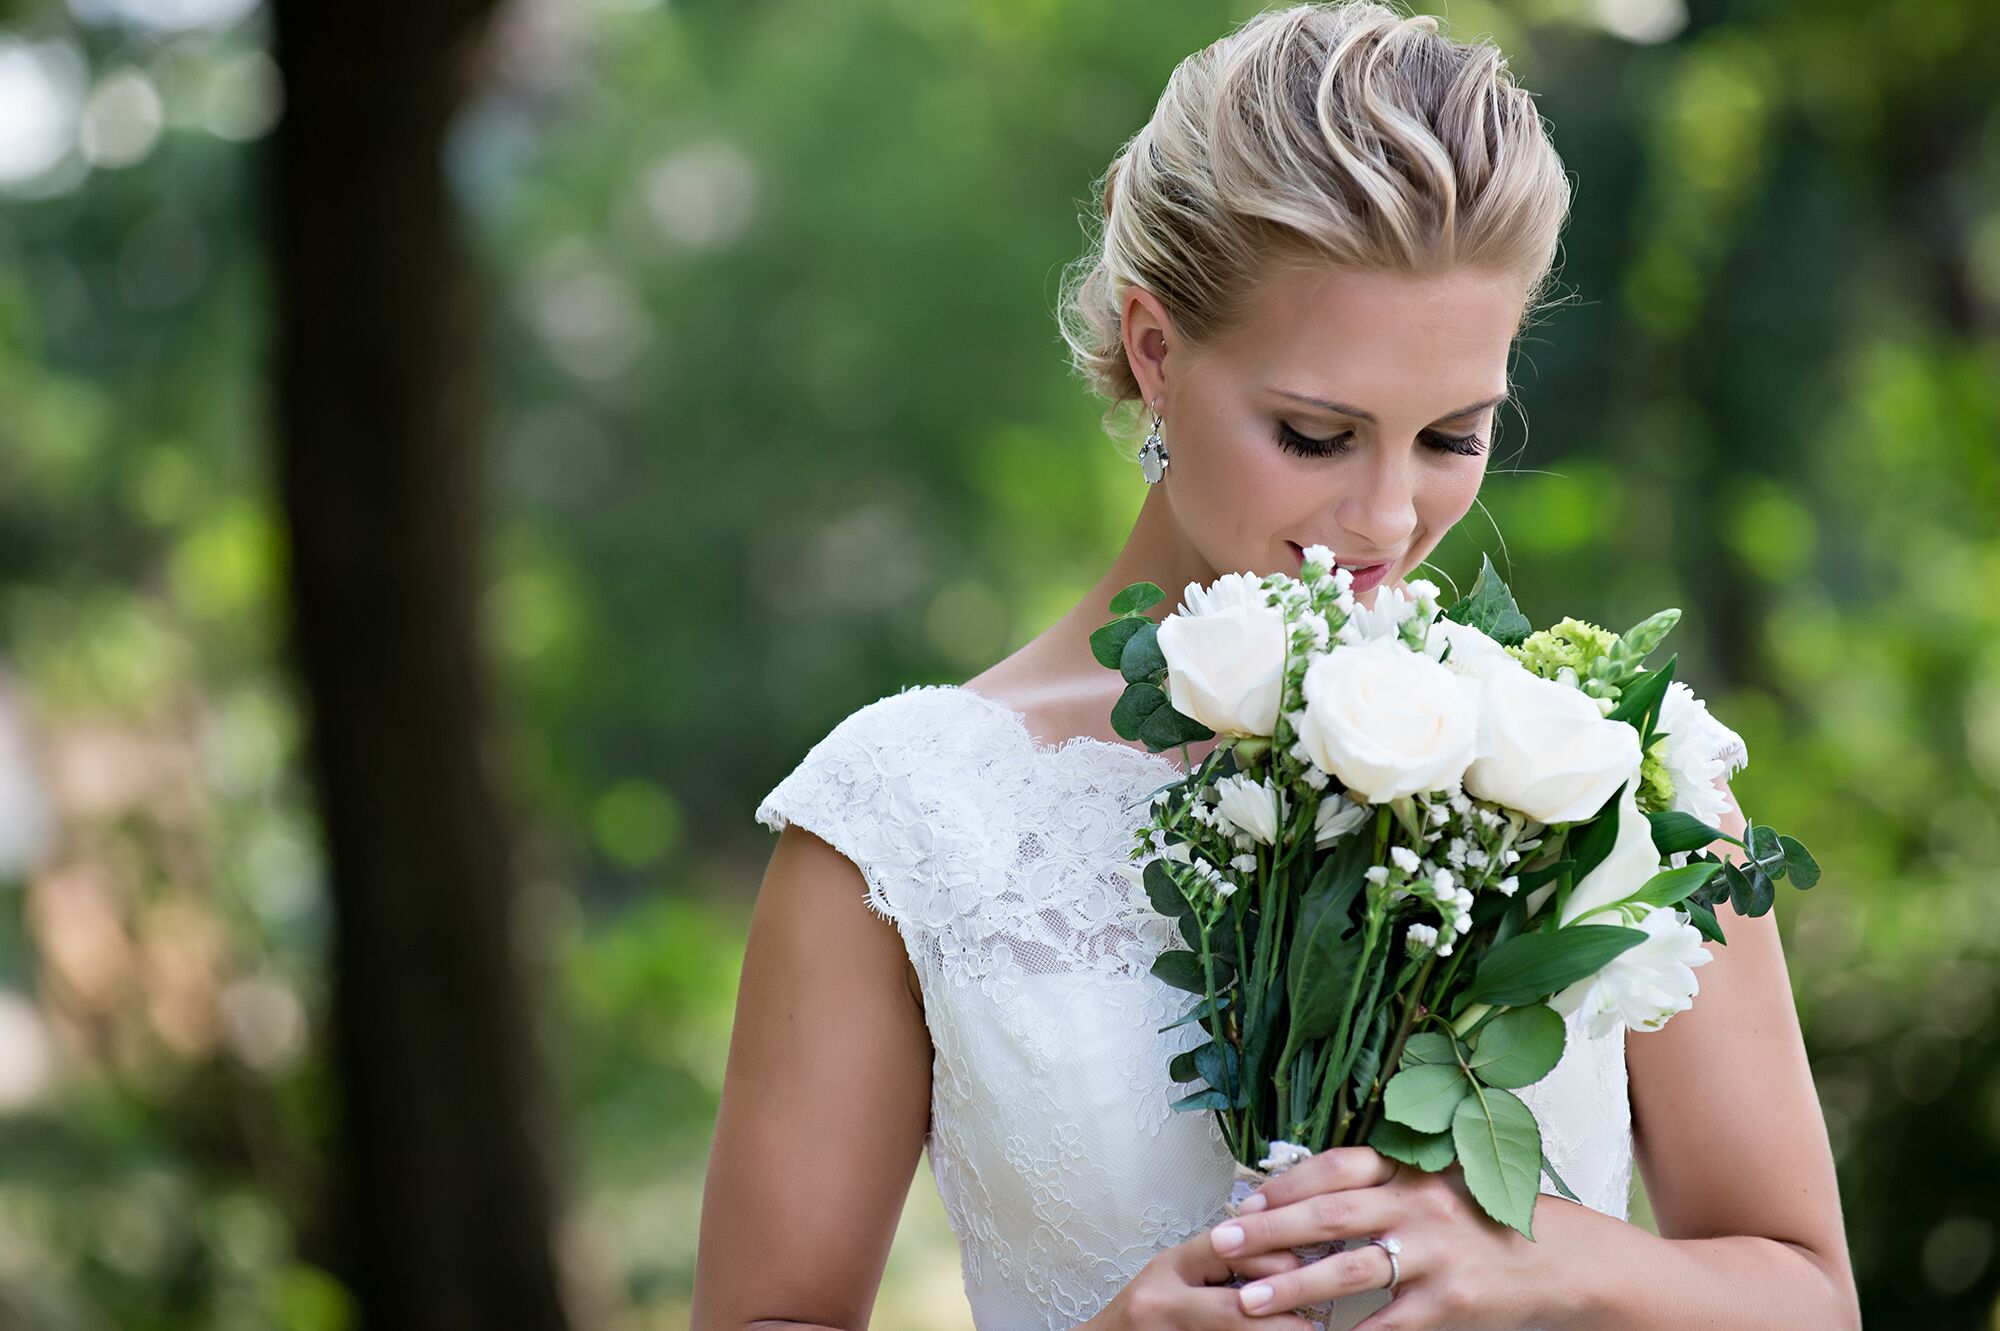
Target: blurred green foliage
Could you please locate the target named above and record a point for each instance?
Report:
(781, 423)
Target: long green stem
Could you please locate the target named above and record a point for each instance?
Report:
(1394, 1053)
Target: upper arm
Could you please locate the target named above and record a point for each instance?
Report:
(1727, 1126)
(825, 1102)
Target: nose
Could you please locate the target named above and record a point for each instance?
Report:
(1381, 508)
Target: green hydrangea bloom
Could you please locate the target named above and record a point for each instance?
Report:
(1570, 642)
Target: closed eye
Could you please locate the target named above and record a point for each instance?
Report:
(1463, 445)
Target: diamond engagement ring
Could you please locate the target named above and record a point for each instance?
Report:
(1391, 1245)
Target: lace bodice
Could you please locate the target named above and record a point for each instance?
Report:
(1060, 1166)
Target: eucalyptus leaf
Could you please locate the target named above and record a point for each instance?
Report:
(1138, 596)
(1142, 658)
(1107, 643)
(1135, 707)
(1800, 867)
(1500, 1149)
(1206, 1098)
(1519, 1046)
(1182, 970)
(1167, 728)
(1425, 1097)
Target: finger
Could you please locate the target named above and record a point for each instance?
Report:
(1330, 1170)
(1265, 1263)
(1354, 1213)
(1331, 1277)
(1218, 1310)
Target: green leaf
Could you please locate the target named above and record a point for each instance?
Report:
(1142, 658)
(1220, 1067)
(1556, 1179)
(1167, 728)
(1181, 1067)
(1207, 1007)
(1765, 851)
(1674, 831)
(1428, 1047)
(1639, 704)
(1164, 890)
(1489, 607)
(1527, 968)
(1326, 947)
(1368, 1058)
(1800, 866)
(1520, 1046)
(1182, 970)
(1134, 707)
(1138, 596)
(1588, 845)
(1207, 1098)
(1500, 1148)
(1424, 1097)
(1670, 887)
(1107, 643)
(1704, 919)
(1428, 1151)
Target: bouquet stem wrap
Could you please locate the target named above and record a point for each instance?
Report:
(1339, 1314)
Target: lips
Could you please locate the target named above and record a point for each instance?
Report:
(1299, 554)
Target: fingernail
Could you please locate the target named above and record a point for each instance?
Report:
(1228, 1238)
(1256, 1296)
(1254, 1202)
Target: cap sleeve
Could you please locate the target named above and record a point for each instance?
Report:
(856, 789)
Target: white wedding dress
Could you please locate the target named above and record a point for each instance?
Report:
(1059, 1164)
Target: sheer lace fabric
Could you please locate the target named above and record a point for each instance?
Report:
(1060, 1167)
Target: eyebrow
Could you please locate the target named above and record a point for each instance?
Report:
(1359, 414)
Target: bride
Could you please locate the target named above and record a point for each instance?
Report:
(1313, 263)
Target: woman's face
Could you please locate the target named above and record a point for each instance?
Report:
(1408, 374)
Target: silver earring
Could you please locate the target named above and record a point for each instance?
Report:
(1153, 454)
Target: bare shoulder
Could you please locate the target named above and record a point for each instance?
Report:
(1740, 1043)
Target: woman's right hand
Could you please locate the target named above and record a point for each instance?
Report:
(1185, 1288)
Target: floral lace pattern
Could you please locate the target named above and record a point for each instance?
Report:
(1060, 1167)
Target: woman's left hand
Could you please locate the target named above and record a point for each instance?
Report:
(1458, 1267)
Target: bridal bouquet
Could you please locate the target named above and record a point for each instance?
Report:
(1423, 840)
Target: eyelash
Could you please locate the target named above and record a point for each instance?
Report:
(1464, 445)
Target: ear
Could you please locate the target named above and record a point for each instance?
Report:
(1148, 334)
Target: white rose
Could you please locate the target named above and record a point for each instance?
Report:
(1473, 653)
(1250, 805)
(1337, 816)
(1645, 984)
(1633, 860)
(1225, 653)
(1545, 749)
(1387, 721)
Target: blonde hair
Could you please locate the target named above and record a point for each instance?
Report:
(1345, 134)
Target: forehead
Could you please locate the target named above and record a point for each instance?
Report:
(1375, 333)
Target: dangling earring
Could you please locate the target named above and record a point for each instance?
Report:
(1153, 454)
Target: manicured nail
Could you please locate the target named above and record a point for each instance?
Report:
(1228, 1238)
(1256, 1296)
(1254, 1202)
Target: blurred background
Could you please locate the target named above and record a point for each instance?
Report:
(772, 419)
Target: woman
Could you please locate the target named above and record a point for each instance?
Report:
(1314, 261)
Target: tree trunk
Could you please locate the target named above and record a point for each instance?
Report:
(444, 1194)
